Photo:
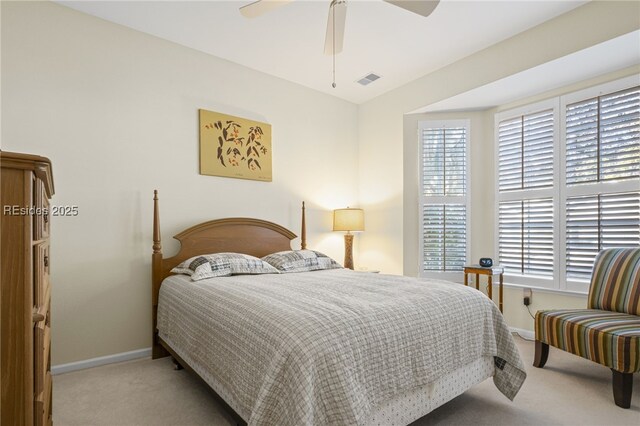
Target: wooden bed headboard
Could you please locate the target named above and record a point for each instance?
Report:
(238, 235)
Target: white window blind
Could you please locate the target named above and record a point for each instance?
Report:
(444, 161)
(568, 184)
(603, 138)
(525, 186)
(602, 167)
(596, 222)
(443, 195)
(445, 239)
(526, 236)
(525, 157)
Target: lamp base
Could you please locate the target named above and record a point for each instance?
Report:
(348, 251)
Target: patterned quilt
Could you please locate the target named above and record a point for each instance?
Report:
(328, 347)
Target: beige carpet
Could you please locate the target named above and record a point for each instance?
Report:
(568, 391)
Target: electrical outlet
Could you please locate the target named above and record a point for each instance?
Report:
(526, 296)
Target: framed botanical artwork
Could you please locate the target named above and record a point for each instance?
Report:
(234, 147)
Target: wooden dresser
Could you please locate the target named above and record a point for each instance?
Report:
(25, 290)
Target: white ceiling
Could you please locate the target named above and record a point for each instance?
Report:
(288, 42)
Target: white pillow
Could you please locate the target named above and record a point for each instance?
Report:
(223, 265)
(300, 261)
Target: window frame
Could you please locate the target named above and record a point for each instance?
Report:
(589, 188)
(559, 192)
(526, 194)
(456, 276)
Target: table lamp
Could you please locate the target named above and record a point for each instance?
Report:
(350, 220)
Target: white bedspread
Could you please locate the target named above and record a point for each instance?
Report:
(328, 347)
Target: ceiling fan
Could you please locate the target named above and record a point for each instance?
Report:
(337, 14)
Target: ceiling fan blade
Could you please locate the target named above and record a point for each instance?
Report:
(421, 7)
(337, 14)
(260, 7)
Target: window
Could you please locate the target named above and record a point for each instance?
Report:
(443, 196)
(601, 201)
(526, 236)
(602, 138)
(526, 185)
(599, 221)
(568, 184)
(526, 151)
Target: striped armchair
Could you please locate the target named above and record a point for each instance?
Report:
(608, 332)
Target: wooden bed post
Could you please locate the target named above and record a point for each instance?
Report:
(303, 232)
(157, 350)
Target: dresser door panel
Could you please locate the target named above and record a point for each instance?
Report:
(43, 403)
(40, 272)
(42, 213)
(41, 361)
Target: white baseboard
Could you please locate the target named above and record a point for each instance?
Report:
(525, 334)
(144, 353)
(102, 360)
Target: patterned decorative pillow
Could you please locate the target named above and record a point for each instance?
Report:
(300, 261)
(223, 265)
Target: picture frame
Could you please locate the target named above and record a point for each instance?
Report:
(234, 147)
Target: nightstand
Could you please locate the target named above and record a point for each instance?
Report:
(489, 272)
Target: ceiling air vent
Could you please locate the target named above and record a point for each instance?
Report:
(369, 78)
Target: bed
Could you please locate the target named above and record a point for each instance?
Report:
(328, 347)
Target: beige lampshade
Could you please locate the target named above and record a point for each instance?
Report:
(348, 220)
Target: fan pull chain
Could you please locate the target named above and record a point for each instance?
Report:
(333, 15)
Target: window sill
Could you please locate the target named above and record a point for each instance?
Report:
(545, 289)
(454, 276)
(458, 278)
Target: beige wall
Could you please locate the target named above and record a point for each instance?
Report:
(388, 143)
(481, 174)
(117, 113)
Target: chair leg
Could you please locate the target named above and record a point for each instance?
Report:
(541, 355)
(622, 387)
